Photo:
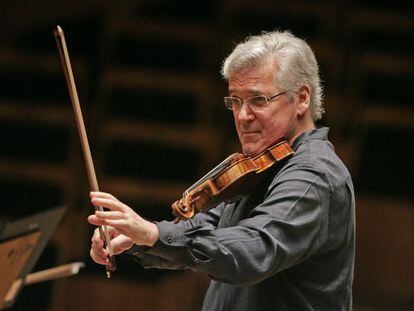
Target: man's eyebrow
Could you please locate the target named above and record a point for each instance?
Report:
(256, 92)
(253, 92)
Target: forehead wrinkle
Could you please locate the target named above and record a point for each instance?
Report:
(253, 91)
(249, 86)
(248, 80)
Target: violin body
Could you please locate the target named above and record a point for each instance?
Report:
(230, 180)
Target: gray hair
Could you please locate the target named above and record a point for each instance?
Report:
(294, 59)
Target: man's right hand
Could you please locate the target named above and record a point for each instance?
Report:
(119, 244)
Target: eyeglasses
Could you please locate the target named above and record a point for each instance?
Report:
(256, 103)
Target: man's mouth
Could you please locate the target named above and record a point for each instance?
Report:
(250, 137)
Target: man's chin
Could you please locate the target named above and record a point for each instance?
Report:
(250, 150)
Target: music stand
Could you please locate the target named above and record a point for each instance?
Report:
(21, 244)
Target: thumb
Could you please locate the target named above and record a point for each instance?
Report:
(120, 244)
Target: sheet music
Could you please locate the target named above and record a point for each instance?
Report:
(13, 256)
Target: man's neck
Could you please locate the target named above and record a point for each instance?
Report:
(300, 129)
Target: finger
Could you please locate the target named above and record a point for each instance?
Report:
(98, 253)
(94, 220)
(99, 194)
(109, 215)
(96, 239)
(98, 244)
(120, 244)
(112, 232)
(119, 224)
(98, 259)
(108, 203)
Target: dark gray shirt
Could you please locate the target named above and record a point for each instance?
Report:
(288, 245)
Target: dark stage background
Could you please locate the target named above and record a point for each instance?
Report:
(148, 79)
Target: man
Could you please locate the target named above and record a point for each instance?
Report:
(287, 245)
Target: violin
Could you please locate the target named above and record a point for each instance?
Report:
(229, 180)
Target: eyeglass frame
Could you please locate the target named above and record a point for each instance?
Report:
(242, 101)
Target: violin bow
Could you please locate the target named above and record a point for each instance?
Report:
(90, 169)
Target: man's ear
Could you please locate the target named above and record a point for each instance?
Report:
(303, 104)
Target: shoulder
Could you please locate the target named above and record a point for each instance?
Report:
(314, 159)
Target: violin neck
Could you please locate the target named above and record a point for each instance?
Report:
(230, 160)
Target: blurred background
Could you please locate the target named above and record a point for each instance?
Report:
(148, 80)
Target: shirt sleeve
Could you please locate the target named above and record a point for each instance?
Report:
(210, 218)
(149, 260)
(280, 232)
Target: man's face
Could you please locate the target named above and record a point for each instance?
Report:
(257, 130)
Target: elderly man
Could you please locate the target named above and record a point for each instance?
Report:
(287, 245)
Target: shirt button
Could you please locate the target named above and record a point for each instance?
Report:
(169, 240)
(196, 260)
(135, 254)
(146, 267)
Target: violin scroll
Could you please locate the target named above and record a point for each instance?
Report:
(181, 211)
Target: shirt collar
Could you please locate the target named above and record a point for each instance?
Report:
(313, 134)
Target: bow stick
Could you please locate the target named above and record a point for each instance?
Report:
(93, 182)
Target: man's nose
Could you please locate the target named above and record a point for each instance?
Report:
(245, 113)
